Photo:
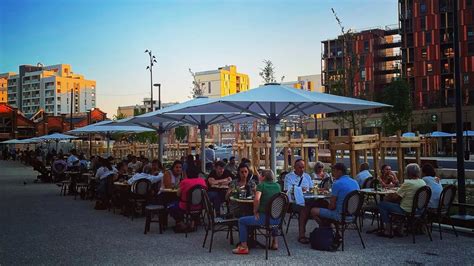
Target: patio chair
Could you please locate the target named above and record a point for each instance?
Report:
(275, 209)
(370, 203)
(154, 210)
(193, 205)
(216, 224)
(418, 214)
(351, 210)
(139, 195)
(442, 212)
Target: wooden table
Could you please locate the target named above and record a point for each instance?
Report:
(311, 196)
(245, 200)
(169, 190)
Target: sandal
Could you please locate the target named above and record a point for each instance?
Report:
(240, 250)
(303, 240)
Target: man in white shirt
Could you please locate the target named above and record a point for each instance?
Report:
(210, 157)
(363, 174)
(135, 165)
(72, 160)
(146, 174)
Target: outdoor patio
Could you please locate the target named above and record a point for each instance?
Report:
(41, 227)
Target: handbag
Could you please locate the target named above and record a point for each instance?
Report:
(324, 238)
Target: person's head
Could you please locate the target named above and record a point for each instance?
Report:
(318, 167)
(192, 172)
(73, 152)
(245, 160)
(211, 147)
(338, 170)
(177, 167)
(219, 167)
(299, 167)
(106, 163)
(197, 157)
(386, 169)
(225, 160)
(147, 169)
(182, 159)
(156, 165)
(413, 171)
(243, 171)
(122, 168)
(81, 157)
(428, 170)
(134, 159)
(232, 160)
(267, 176)
(363, 167)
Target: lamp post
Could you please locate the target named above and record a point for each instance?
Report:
(150, 67)
(159, 94)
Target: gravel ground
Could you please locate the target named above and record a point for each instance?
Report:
(40, 227)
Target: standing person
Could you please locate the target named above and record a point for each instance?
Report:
(429, 176)
(265, 191)
(343, 185)
(363, 174)
(388, 179)
(401, 201)
(178, 208)
(210, 157)
(232, 166)
(219, 180)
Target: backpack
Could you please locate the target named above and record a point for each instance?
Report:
(324, 238)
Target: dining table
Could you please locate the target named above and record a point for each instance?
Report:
(381, 193)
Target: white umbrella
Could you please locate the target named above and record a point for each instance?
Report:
(200, 119)
(274, 102)
(56, 137)
(12, 141)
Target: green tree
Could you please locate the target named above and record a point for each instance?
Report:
(196, 90)
(119, 116)
(180, 133)
(397, 94)
(268, 72)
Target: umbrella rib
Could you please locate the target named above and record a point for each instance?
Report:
(338, 109)
(246, 110)
(263, 109)
(297, 107)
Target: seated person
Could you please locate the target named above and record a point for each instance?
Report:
(173, 176)
(156, 167)
(83, 163)
(429, 176)
(122, 171)
(72, 161)
(363, 175)
(343, 185)
(245, 182)
(135, 165)
(106, 169)
(401, 201)
(265, 191)
(146, 174)
(178, 209)
(219, 180)
(319, 173)
(58, 168)
(388, 179)
(232, 166)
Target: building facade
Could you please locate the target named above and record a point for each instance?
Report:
(133, 110)
(426, 28)
(4, 86)
(222, 82)
(54, 89)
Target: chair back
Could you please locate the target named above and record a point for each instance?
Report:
(352, 204)
(59, 167)
(326, 183)
(276, 208)
(194, 197)
(368, 183)
(421, 200)
(208, 207)
(141, 187)
(446, 199)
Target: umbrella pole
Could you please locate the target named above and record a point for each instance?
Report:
(108, 144)
(272, 122)
(202, 132)
(160, 143)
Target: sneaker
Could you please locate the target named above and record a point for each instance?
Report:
(241, 250)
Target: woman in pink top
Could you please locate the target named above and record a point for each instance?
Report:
(178, 209)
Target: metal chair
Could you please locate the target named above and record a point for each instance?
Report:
(275, 209)
(150, 211)
(216, 224)
(193, 204)
(370, 203)
(418, 214)
(351, 210)
(139, 195)
(442, 212)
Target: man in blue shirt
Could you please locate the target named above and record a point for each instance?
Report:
(363, 175)
(342, 186)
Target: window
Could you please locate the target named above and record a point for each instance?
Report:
(424, 84)
(362, 74)
(422, 7)
(209, 86)
(468, 2)
(429, 67)
(470, 48)
(366, 46)
(466, 78)
(361, 61)
(428, 38)
(470, 33)
(423, 53)
(423, 23)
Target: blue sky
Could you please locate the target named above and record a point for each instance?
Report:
(105, 40)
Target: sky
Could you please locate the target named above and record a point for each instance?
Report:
(105, 40)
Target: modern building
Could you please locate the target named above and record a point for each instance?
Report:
(426, 29)
(53, 89)
(222, 82)
(4, 86)
(133, 110)
(308, 82)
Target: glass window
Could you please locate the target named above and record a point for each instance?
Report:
(366, 45)
(422, 7)
(466, 78)
(468, 2)
(423, 53)
(423, 23)
(424, 84)
(429, 67)
(470, 33)
(428, 38)
(362, 74)
(470, 48)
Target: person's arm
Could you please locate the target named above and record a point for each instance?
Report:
(285, 183)
(382, 183)
(393, 197)
(394, 178)
(167, 180)
(256, 204)
(212, 181)
(332, 203)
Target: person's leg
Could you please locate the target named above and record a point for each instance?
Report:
(244, 223)
(305, 213)
(214, 197)
(385, 208)
(321, 215)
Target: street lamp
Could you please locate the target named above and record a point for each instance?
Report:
(159, 94)
(150, 67)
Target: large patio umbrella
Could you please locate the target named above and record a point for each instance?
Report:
(107, 128)
(439, 134)
(274, 102)
(56, 137)
(200, 119)
(12, 141)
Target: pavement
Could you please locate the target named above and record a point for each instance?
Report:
(40, 227)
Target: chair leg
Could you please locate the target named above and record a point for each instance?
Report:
(231, 235)
(413, 232)
(147, 222)
(186, 222)
(454, 229)
(212, 240)
(343, 229)
(288, 224)
(205, 238)
(267, 243)
(360, 236)
(286, 244)
(428, 231)
(440, 231)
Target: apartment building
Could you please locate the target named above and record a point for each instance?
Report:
(53, 89)
(4, 86)
(222, 81)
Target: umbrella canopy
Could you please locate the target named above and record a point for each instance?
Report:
(108, 128)
(12, 141)
(56, 137)
(32, 140)
(439, 134)
(200, 119)
(408, 134)
(274, 102)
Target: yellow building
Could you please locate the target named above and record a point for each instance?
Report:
(222, 82)
(309, 83)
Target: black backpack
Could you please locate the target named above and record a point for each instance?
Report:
(324, 238)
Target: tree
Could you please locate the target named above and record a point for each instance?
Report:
(397, 94)
(196, 90)
(180, 133)
(268, 72)
(119, 116)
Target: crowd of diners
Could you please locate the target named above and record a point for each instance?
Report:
(227, 176)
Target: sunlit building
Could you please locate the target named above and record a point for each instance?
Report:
(222, 81)
(4, 86)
